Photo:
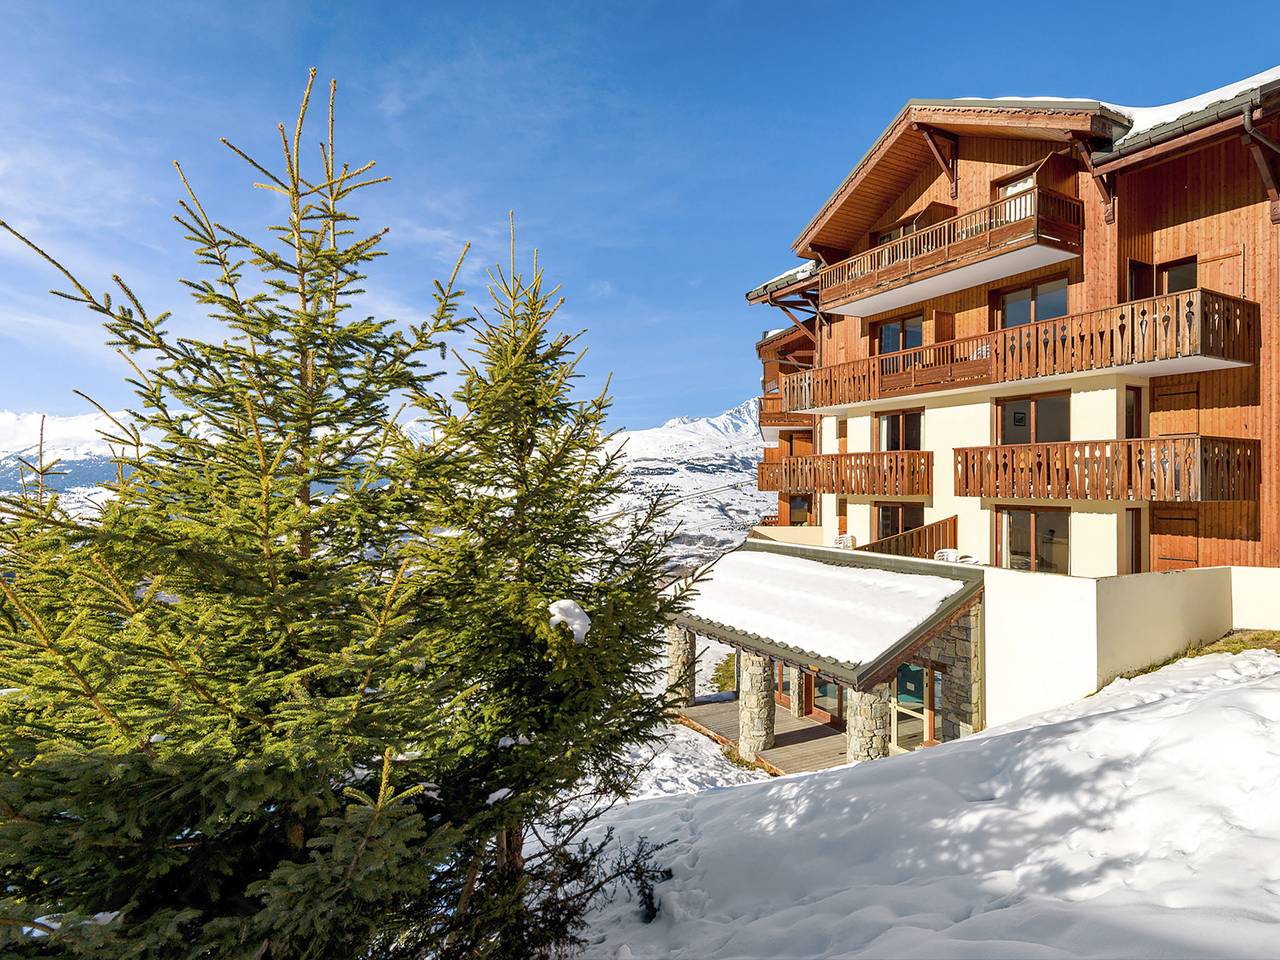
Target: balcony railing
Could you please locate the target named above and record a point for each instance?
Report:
(1171, 469)
(1191, 324)
(895, 473)
(1037, 215)
(921, 542)
(771, 414)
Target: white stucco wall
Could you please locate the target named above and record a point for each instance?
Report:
(1255, 598)
(1040, 642)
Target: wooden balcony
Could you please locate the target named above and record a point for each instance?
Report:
(770, 520)
(896, 473)
(1174, 469)
(922, 542)
(1176, 333)
(771, 414)
(1014, 234)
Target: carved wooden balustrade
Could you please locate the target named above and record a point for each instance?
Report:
(1193, 323)
(1036, 215)
(771, 414)
(894, 473)
(921, 542)
(1184, 468)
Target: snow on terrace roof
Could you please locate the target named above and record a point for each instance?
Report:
(803, 272)
(822, 610)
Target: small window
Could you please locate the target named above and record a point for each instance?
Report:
(1142, 280)
(1178, 276)
(1132, 413)
(894, 233)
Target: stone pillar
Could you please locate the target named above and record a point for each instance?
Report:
(682, 663)
(867, 717)
(796, 679)
(755, 704)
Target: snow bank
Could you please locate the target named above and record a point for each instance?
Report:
(848, 613)
(1140, 822)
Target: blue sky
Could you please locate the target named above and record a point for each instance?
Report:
(661, 156)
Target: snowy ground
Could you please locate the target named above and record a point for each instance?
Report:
(688, 762)
(1141, 822)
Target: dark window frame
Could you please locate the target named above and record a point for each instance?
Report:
(996, 305)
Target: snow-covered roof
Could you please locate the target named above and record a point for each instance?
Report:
(785, 279)
(821, 609)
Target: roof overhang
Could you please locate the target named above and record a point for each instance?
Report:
(901, 152)
(860, 675)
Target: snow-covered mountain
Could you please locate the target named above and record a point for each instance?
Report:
(707, 464)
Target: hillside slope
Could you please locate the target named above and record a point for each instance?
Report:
(1140, 822)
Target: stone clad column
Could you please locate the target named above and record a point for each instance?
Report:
(867, 722)
(682, 663)
(755, 704)
(796, 679)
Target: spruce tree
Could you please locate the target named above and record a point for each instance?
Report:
(550, 602)
(220, 720)
(307, 686)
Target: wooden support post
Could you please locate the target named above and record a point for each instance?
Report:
(1102, 181)
(947, 163)
(1255, 140)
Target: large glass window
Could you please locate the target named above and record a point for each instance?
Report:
(903, 333)
(1043, 301)
(900, 430)
(799, 508)
(895, 518)
(826, 697)
(1037, 540)
(1045, 419)
(781, 683)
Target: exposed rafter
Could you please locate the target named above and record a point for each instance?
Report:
(932, 137)
(1103, 181)
(787, 306)
(1262, 148)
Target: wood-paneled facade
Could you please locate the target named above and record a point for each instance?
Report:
(1204, 358)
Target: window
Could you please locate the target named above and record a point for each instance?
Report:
(903, 333)
(1132, 413)
(826, 698)
(900, 430)
(1043, 301)
(1042, 419)
(1010, 187)
(1178, 275)
(1142, 280)
(1037, 540)
(799, 508)
(1133, 519)
(895, 518)
(842, 435)
(913, 722)
(894, 233)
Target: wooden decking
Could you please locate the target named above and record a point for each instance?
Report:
(799, 744)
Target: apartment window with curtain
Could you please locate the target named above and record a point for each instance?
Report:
(1040, 301)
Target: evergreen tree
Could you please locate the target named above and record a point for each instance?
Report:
(550, 602)
(219, 726)
(301, 688)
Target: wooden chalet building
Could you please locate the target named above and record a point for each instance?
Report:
(1039, 336)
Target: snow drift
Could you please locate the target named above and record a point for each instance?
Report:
(1140, 822)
